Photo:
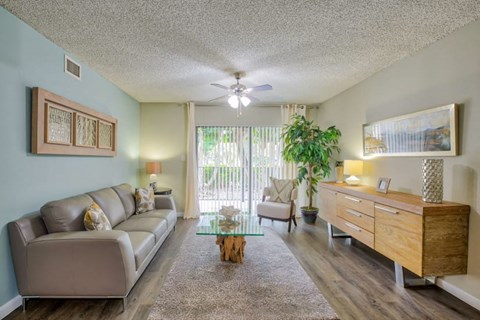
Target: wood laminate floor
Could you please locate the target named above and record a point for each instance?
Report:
(358, 282)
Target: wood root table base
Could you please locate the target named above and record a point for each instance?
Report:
(231, 248)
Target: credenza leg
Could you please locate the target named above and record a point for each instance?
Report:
(408, 283)
(331, 234)
(399, 276)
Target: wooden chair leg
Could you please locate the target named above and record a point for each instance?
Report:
(289, 224)
(259, 220)
(294, 221)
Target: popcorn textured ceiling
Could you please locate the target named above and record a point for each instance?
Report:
(309, 51)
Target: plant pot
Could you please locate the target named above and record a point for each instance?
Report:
(309, 215)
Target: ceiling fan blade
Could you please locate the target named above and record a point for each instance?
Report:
(219, 98)
(263, 87)
(251, 98)
(220, 86)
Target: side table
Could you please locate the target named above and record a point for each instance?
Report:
(162, 191)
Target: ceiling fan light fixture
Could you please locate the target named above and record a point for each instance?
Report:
(245, 101)
(233, 102)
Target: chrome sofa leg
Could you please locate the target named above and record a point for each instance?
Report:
(24, 304)
(124, 304)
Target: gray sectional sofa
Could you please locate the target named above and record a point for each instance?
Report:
(54, 257)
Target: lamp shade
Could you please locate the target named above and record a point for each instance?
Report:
(153, 167)
(353, 167)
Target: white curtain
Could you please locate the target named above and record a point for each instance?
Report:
(290, 169)
(192, 210)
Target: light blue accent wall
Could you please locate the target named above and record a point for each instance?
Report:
(27, 60)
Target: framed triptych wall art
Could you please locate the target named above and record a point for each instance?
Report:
(61, 126)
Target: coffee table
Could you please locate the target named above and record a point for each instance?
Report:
(230, 233)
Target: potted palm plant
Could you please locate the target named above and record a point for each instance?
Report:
(311, 149)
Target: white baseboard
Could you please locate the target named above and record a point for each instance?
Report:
(11, 305)
(179, 214)
(459, 293)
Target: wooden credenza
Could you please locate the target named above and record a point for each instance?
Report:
(427, 239)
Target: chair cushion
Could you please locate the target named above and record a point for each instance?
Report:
(111, 204)
(167, 214)
(126, 193)
(95, 219)
(144, 200)
(142, 243)
(157, 226)
(275, 210)
(281, 190)
(66, 214)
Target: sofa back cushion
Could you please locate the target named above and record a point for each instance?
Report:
(66, 214)
(126, 193)
(111, 204)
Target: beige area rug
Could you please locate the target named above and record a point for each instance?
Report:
(270, 284)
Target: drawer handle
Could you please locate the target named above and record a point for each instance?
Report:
(352, 226)
(387, 210)
(353, 199)
(354, 213)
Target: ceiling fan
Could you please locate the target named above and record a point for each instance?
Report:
(239, 94)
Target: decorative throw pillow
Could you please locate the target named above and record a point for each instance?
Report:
(95, 219)
(281, 189)
(144, 200)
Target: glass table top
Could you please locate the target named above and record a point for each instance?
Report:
(240, 225)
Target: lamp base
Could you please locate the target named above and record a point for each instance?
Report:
(352, 181)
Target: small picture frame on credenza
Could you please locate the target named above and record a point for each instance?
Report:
(382, 185)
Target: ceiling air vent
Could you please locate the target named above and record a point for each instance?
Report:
(72, 68)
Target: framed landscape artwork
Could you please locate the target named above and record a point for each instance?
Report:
(431, 132)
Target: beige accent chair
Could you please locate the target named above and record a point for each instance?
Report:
(280, 211)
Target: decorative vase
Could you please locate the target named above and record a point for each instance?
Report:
(309, 215)
(432, 172)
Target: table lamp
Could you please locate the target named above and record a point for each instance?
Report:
(353, 168)
(153, 168)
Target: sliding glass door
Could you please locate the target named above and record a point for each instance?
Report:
(235, 164)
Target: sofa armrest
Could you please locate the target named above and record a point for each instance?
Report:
(164, 202)
(81, 263)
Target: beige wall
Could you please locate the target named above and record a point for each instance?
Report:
(443, 73)
(163, 138)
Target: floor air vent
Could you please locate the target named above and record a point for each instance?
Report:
(72, 68)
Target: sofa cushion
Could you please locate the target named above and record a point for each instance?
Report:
(157, 226)
(126, 193)
(111, 204)
(142, 243)
(167, 214)
(144, 200)
(281, 190)
(95, 219)
(66, 214)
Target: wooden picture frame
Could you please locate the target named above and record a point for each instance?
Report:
(61, 126)
(383, 184)
(431, 132)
